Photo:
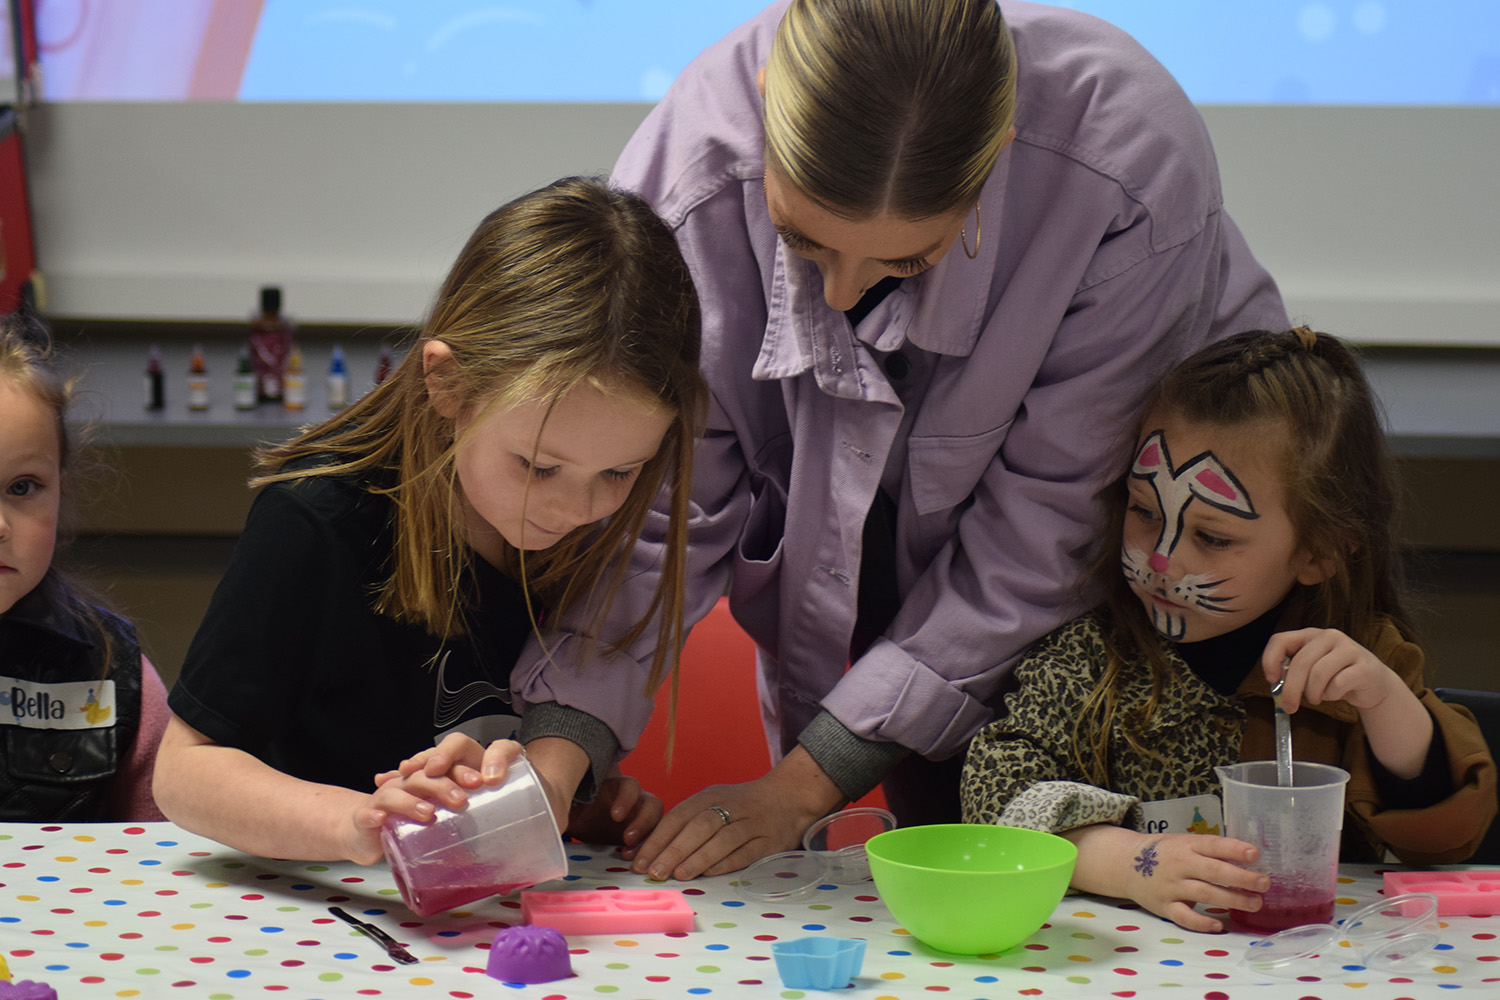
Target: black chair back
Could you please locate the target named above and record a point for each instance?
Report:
(1486, 708)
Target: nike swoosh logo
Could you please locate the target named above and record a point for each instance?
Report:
(450, 705)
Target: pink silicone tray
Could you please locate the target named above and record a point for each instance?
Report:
(1465, 893)
(608, 911)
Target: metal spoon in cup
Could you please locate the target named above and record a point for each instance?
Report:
(1283, 732)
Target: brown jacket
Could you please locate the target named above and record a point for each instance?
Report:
(1446, 832)
(1021, 769)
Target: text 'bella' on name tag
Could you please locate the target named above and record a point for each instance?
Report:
(64, 705)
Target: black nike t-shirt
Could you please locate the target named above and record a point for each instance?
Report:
(293, 665)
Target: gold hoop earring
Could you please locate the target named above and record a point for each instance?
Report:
(963, 235)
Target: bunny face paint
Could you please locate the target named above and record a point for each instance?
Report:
(1202, 556)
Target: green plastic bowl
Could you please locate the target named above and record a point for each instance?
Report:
(971, 888)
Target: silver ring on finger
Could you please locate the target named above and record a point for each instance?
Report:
(724, 816)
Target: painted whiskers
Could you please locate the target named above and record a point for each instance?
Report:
(1198, 590)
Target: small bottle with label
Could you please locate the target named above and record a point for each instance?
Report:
(156, 392)
(383, 365)
(338, 380)
(294, 385)
(244, 381)
(197, 382)
(270, 344)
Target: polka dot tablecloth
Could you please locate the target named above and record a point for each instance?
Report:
(154, 912)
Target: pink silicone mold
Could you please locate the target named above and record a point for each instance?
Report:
(1460, 893)
(608, 911)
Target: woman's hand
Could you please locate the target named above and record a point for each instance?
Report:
(1169, 873)
(622, 813)
(726, 827)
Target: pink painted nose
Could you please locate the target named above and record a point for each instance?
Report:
(1157, 562)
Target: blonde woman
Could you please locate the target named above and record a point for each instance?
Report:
(943, 247)
(402, 551)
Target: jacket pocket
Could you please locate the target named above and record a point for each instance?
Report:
(757, 555)
(946, 468)
(60, 756)
(757, 564)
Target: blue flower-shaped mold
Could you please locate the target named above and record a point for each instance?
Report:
(818, 963)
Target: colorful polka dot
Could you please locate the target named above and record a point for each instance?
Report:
(224, 927)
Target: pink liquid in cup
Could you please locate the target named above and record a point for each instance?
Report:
(446, 887)
(502, 840)
(1291, 909)
(1295, 828)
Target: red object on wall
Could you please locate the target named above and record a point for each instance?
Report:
(26, 35)
(17, 253)
(17, 258)
(719, 737)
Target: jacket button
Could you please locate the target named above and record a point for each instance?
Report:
(1226, 723)
(61, 762)
(897, 367)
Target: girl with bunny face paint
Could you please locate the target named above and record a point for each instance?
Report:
(1208, 545)
(1249, 542)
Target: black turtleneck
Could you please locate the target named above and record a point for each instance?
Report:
(1224, 661)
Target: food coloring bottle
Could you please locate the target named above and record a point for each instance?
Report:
(244, 381)
(294, 385)
(270, 344)
(155, 388)
(338, 380)
(197, 383)
(383, 366)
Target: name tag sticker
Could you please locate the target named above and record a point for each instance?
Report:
(1194, 814)
(65, 705)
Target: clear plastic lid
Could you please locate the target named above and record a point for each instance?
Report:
(833, 854)
(1388, 932)
(1291, 946)
(1391, 931)
(783, 878)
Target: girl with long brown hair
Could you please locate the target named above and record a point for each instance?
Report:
(403, 551)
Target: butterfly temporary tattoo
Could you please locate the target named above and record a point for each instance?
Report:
(1146, 861)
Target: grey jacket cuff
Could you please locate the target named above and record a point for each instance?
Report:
(854, 763)
(548, 718)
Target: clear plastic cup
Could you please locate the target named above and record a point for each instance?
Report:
(502, 840)
(1296, 828)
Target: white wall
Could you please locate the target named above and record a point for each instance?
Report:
(1381, 224)
(182, 210)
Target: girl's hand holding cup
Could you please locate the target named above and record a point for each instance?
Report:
(439, 776)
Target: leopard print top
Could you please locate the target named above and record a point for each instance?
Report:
(1021, 770)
